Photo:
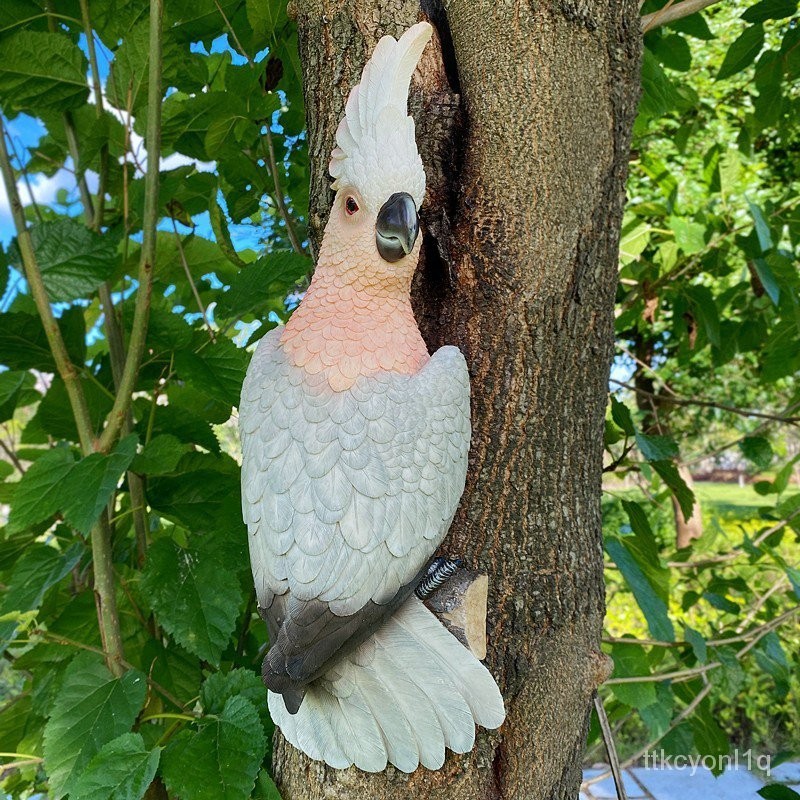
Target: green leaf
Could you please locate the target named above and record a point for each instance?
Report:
(630, 661)
(15, 388)
(225, 754)
(767, 278)
(266, 788)
(653, 607)
(127, 79)
(23, 343)
(195, 494)
(762, 227)
(160, 456)
(621, 415)
(217, 369)
(219, 687)
(91, 709)
(742, 52)
(219, 224)
(758, 450)
(689, 235)
(659, 94)
(771, 658)
(186, 120)
(706, 312)
(195, 600)
(40, 567)
(74, 260)
(644, 548)
(710, 740)
(777, 791)
(683, 494)
(54, 415)
(80, 490)
(38, 495)
(91, 482)
(41, 71)
(770, 9)
(657, 448)
(721, 603)
(263, 284)
(122, 770)
(672, 51)
(266, 17)
(697, 642)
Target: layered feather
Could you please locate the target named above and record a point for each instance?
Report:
(403, 697)
(376, 150)
(347, 494)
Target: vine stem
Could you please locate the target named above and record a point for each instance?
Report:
(136, 345)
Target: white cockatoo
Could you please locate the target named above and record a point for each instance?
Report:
(355, 446)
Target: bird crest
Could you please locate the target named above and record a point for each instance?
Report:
(376, 151)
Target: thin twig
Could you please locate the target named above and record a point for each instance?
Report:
(671, 13)
(136, 345)
(25, 177)
(682, 675)
(9, 451)
(696, 700)
(694, 401)
(611, 750)
(735, 553)
(201, 307)
(88, 31)
(66, 369)
(273, 168)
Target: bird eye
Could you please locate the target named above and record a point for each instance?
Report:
(351, 206)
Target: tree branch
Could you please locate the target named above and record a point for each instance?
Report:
(66, 369)
(201, 307)
(119, 412)
(101, 540)
(671, 13)
(284, 212)
(693, 401)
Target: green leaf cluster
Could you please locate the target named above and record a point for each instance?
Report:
(164, 494)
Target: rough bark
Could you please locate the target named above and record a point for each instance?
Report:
(524, 113)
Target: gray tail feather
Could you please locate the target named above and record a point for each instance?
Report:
(407, 693)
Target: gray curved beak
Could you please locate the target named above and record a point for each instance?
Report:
(397, 227)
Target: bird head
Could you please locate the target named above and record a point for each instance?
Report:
(373, 230)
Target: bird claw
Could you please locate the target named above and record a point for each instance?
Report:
(440, 571)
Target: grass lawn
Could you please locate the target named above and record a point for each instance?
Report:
(731, 494)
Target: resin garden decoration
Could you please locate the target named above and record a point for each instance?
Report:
(355, 446)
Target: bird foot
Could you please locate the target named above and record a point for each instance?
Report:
(441, 570)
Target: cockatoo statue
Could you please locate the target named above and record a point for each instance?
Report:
(355, 446)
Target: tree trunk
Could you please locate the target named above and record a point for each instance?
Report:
(687, 530)
(524, 114)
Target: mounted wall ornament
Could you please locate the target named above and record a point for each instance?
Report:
(355, 446)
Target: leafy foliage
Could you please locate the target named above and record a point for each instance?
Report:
(703, 633)
(160, 493)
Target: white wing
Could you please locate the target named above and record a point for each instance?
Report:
(347, 494)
